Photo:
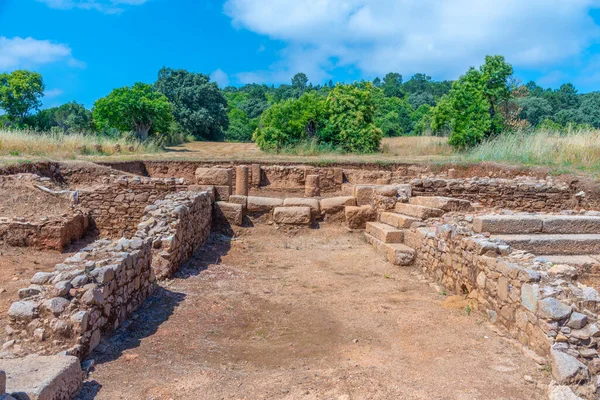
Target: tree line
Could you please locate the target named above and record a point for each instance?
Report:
(483, 102)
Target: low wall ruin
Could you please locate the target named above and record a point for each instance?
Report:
(117, 206)
(540, 305)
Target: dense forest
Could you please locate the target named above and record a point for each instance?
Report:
(484, 102)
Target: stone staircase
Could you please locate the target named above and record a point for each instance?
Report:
(388, 235)
(568, 239)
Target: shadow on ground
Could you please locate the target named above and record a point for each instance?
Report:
(155, 310)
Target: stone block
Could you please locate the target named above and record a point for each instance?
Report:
(214, 176)
(262, 204)
(507, 224)
(221, 193)
(567, 369)
(232, 213)
(236, 199)
(292, 215)
(443, 203)
(420, 212)
(364, 194)
(561, 244)
(43, 377)
(334, 205)
(303, 202)
(357, 217)
(570, 224)
(397, 220)
(312, 186)
(385, 233)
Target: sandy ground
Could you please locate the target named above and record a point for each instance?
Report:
(310, 314)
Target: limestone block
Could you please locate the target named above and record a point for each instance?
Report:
(214, 176)
(242, 181)
(303, 202)
(443, 203)
(312, 186)
(334, 205)
(507, 224)
(292, 215)
(43, 377)
(233, 213)
(570, 224)
(262, 204)
(243, 200)
(357, 217)
(364, 194)
(416, 211)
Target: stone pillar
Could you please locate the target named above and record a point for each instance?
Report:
(241, 180)
(312, 186)
(256, 175)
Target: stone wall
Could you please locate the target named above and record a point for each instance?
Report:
(117, 206)
(515, 194)
(540, 304)
(50, 234)
(87, 296)
(177, 226)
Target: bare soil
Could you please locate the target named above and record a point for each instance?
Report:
(23, 200)
(305, 314)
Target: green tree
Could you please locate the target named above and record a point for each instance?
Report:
(138, 108)
(20, 93)
(199, 107)
(350, 123)
(392, 115)
(240, 126)
(73, 117)
(392, 85)
(300, 82)
(534, 109)
(289, 122)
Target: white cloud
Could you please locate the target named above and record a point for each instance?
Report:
(29, 52)
(220, 77)
(439, 37)
(105, 6)
(52, 93)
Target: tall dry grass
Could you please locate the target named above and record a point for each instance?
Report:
(58, 145)
(407, 146)
(574, 149)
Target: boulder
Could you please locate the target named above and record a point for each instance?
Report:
(553, 309)
(23, 310)
(567, 369)
(56, 305)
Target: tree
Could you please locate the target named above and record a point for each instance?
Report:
(199, 107)
(535, 109)
(350, 123)
(20, 93)
(240, 126)
(418, 99)
(392, 85)
(289, 122)
(299, 82)
(392, 114)
(73, 117)
(138, 108)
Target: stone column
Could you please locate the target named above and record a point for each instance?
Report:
(256, 172)
(241, 180)
(312, 186)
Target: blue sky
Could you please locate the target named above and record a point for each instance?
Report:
(85, 48)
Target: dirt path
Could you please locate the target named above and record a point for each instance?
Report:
(305, 315)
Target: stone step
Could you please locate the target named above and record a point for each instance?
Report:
(554, 244)
(443, 203)
(550, 224)
(416, 211)
(576, 260)
(397, 220)
(385, 233)
(396, 253)
(292, 215)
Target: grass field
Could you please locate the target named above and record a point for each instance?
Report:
(561, 152)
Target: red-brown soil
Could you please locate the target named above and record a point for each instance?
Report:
(307, 314)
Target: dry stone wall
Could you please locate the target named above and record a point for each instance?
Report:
(87, 296)
(539, 303)
(117, 206)
(177, 226)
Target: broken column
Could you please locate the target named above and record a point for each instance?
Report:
(312, 186)
(256, 175)
(241, 180)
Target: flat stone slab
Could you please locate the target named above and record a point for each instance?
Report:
(214, 176)
(43, 377)
(550, 224)
(397, 220)
(334, 205)
(385, 233)
(420, 212)
(262, 204)
(554, 244)
(443, 203)
(292, 215)
(303, 202)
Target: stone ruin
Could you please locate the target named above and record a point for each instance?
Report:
(517, 248)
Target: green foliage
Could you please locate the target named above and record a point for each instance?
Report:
(240, 126)
(422, 120)
(350, 123)
(534, 109)
(290, 122)
(69, 118)
(393, 115)
(392, 85)
(199, 107)
(138, 108)
(20, 93)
